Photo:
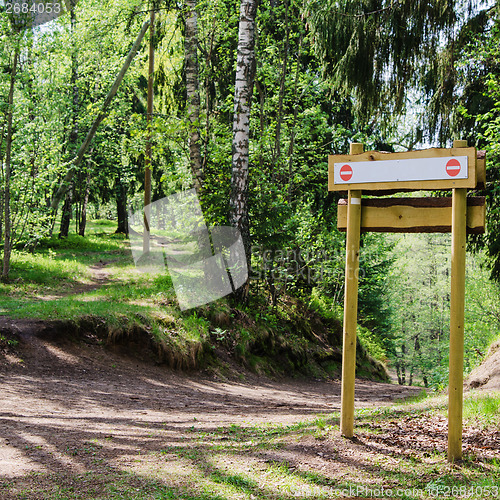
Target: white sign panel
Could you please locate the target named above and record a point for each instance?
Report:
(415, 169)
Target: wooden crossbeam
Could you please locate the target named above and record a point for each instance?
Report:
(413, 215)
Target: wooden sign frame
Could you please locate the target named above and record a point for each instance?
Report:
(456, 214)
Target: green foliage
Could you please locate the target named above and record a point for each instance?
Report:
(482, 312)
(92, 284)
(195, 326)
(375, 262)
(328, 307)
(372, 343)
(46, 268)
(112, 242)
(489, 122)
(464, 102)
(323, 68)
(377, 50)
(418, 295)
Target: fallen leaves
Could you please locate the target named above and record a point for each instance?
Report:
(428, 434)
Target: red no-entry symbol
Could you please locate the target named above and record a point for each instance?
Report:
(346, 173)
(453, 167)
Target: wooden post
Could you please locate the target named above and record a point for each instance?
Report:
(457, 306)
(350, 306)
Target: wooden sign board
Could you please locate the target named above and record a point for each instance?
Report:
(429, 169)
(413, 215)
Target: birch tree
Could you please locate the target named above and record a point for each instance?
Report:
(243, 89)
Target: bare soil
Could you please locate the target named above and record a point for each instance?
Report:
(78, 414)
(487, 375)
(58, 395)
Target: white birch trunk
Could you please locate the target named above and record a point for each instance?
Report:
(243, 88)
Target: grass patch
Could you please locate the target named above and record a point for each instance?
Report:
(483, 409)
(46, 268)
(93, 281)
(95, 242)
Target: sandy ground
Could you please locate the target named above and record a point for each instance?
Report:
(57, 396)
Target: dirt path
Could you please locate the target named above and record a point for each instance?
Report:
(59, 398)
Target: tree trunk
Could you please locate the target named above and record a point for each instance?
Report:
(2, 176)
(270, 280)
(148, 157)
(418, 350)
(296, 98)
(208, 102)
(276, 158)
(67, 213)
(83, 215)
(74, 81)
(403, 364)
(73, 135)
(398, 372)
(262, 119)
(72, 193)
(7, 247)
(193, 94)
(193, 113)
(243, 88)
(121, 208)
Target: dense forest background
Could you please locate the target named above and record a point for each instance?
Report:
(311, 76)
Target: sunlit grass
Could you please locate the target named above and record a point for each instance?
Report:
(58, 280)
(94, 242)
(47, 268)
(216, 461)
(484, 409)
